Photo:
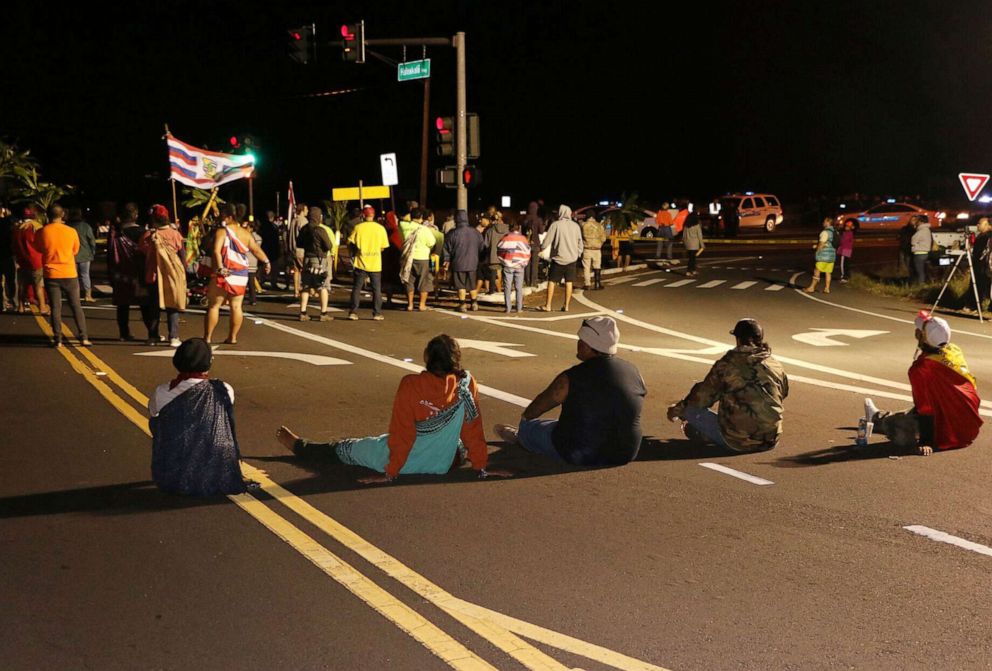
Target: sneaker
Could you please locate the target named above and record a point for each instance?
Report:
(85, 342)
(462, 307)
(378, 318)
(352, 316)
(324, 317)
(870, 410)
(475, 306)
(175, 342)
(304, 317)
(507, 433)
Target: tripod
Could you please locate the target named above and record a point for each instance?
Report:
(965, 253)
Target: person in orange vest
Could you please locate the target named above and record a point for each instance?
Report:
(666, 234)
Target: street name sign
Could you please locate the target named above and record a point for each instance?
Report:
(973, 183)
(413, 70)
(390, 171)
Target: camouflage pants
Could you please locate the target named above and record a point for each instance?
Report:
(902, 428)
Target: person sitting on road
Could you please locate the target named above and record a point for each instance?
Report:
(435, 416)
(194, 447)
(750, 386)
(944, 415)
(601, 399)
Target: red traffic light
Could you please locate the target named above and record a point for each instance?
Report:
(297, 36)
(234, 141)
(346, 32)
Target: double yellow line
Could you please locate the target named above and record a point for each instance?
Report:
(500, 630)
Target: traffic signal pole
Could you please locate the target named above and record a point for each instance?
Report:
(461, 127)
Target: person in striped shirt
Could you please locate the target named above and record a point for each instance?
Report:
(513, 251)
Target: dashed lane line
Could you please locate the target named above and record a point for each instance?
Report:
(942, 537)
(741, 475)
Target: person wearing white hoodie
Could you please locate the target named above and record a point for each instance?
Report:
(564, 238)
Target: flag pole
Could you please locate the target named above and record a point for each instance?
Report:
(175, 206)
(251, 197)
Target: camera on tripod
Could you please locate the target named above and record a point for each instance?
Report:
(952, 243)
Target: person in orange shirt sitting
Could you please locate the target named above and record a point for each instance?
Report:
(59, 245)
(435, 413)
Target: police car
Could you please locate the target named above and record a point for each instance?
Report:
(754, 210)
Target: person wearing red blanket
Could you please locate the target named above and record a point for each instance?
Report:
(944, 415)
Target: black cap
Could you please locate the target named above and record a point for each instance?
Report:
(193, 356)
(748, 329)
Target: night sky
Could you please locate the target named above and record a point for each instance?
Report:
(578, 100)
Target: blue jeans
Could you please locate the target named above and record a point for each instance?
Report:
(514, 277)
(705, 421)
(356, 290)
(919, 275)
(83, 270)
(535, 437)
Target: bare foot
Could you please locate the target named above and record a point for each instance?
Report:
(230, 342)
(925, 450)
(286, 438)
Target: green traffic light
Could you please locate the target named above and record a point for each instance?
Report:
(251, 155)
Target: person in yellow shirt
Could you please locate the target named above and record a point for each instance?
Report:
(367, 241)
(58, 245)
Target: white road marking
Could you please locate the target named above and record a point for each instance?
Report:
(494, 347)
(312, 359)
(711, 284)
(680, 283)
(648, 283)
(621, 280)
(744, 285)
(875, 314)
(382, 358)
(775, 287)
(753, 479)
(569, 315)
(942, 537)
(822, 337)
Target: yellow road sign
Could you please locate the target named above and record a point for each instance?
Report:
(368, 193)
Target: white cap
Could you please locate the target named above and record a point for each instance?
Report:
(600, 333)
(936, 331)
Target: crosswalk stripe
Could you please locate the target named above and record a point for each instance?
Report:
(775, 287)
(621, 280)
(744, 285)
(648, 283)
(680, 283)
(711, 284)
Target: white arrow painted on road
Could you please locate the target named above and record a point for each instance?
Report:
(822, 337)
(494, 347)
(313, 359)
(715, 349)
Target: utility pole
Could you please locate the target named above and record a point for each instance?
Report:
(461, 125)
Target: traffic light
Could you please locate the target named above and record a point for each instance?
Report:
(473, 135)
(301, 43)
(353, 42)
(471, 176)
(447, 177)
(445, 127)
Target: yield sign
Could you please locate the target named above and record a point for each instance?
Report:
(822, 337)
(973, 183)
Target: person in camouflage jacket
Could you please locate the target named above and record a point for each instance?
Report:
(750, 386)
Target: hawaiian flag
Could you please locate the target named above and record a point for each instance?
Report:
(206, 169)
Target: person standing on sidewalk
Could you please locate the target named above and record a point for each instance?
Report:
(845, 250)
(564, 239)
(593, 238)
(921, 243)
(367, 242)
(514, 254)
(462, 247)
(59, 245)
(87, 252)
(692, 238)
(824, 256)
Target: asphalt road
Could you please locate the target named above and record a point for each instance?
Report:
(659, 564)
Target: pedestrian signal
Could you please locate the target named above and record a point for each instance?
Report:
(353, 42)
(301, 43)
(445, 127)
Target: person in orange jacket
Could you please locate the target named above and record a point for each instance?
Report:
(59, 245)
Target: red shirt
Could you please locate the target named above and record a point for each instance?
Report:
(950, 398)
(28, 257)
